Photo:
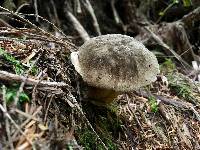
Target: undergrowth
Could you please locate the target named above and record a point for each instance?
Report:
(17, 66)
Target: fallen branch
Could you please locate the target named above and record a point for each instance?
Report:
(164, 45)
(82, 32)
(6, 76)
(88, 6)
(191, 18)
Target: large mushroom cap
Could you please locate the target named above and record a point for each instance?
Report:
(116, 62)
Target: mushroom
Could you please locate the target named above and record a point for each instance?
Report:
(112, 64)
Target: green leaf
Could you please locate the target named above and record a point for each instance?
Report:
(161, 13)
(175, 1)
(153, 103)
(10, 95)
(187, 3)
(23, 97)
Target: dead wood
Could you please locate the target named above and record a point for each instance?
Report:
(6, 76)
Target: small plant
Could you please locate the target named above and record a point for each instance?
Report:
(19, 69)
(162, 13)
(34, 69)
(12, 93)
(186, 3)
(168, 66)
(153, 104)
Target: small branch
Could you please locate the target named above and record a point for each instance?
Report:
(165, 10)
(27, 121)
(17, 127)
(88, 6)
(6, 119)
(21, 6)
(82, 32)
(25, 114)
(48, 107)
(55, 13)
(160, 42)
(6, 76)
(4, 24)
(65, 43)
(192, 17)
(36, 10)
(115, 14)
(78, 6)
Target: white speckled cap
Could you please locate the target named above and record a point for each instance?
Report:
(115, 61)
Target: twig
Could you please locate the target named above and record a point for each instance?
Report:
(6, 119)
(36, 10)
(21, 6)
(115, 14)
(55, 13)
(25, 114)
(35, 87)
(66, 43)
(3, 23)
(168, 101)
(192, 17)
(40, 17)
(78, 6)
(16, 126)
(24, 81)
(19, 91)
(88, 6)
(27, 120)
(160, 42)
(47, 109)
(6, 76)
(195, 112)
(82, 32)
(165, 10)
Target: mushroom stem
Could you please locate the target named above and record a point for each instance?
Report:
(99, 96)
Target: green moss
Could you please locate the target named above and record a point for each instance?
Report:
(113, 107)
(182, 91)
(106, 124)
(180, 86)
(19, 69)
(89, 141)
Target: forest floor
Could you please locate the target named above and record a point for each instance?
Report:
(40, 95)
